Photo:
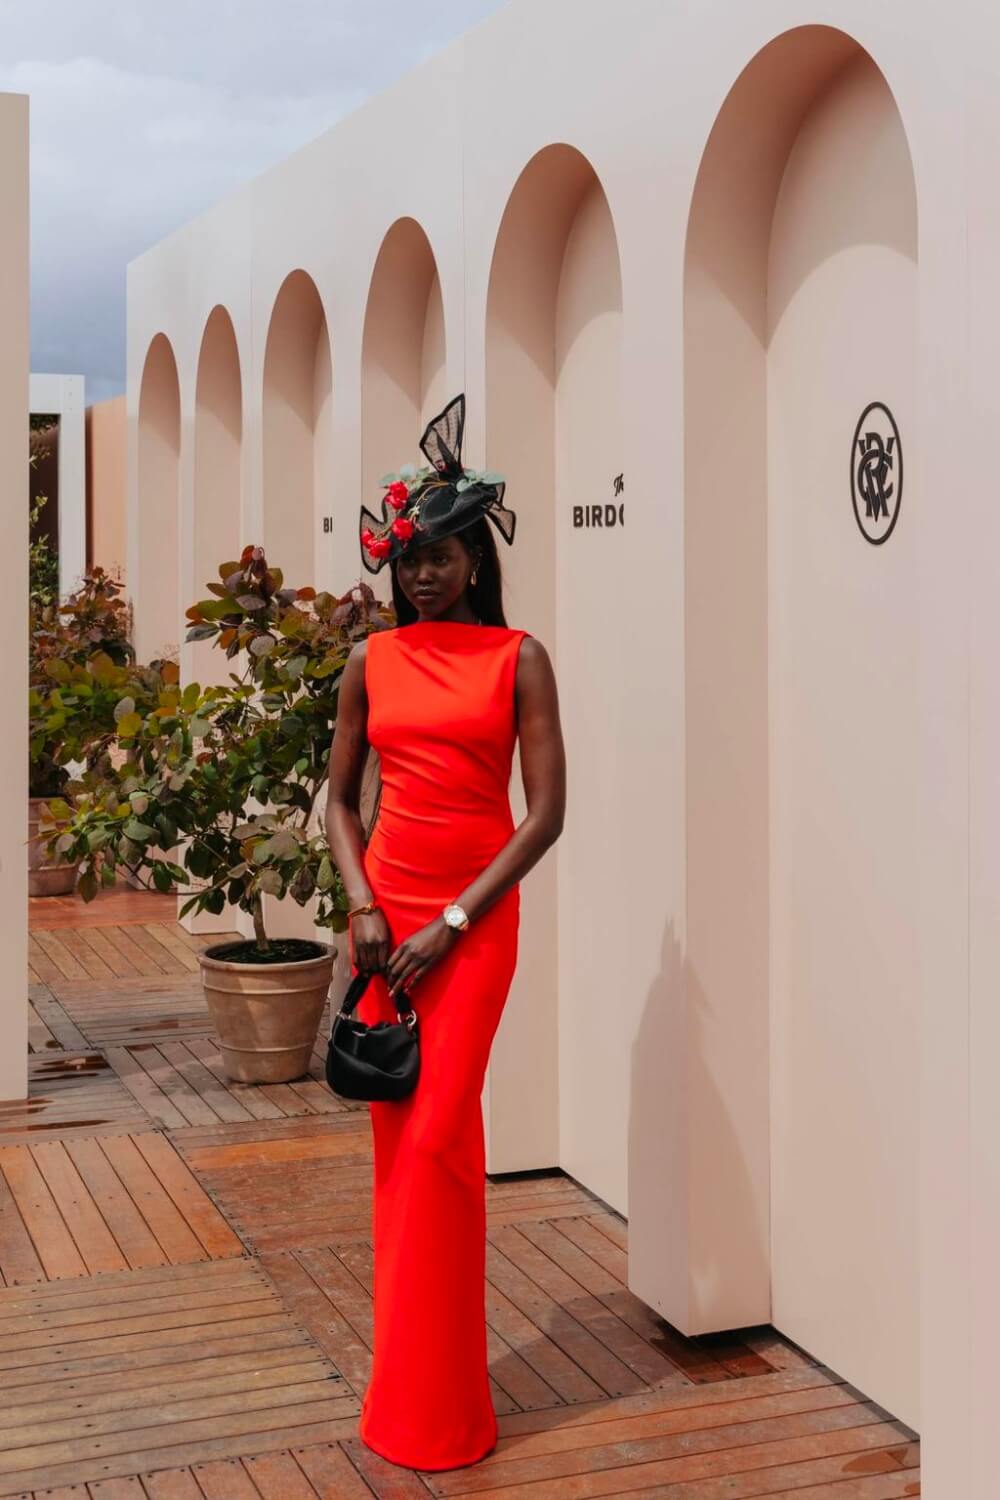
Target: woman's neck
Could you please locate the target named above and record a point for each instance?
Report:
(459, 614)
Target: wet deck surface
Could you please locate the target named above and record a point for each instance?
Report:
(186, 1271)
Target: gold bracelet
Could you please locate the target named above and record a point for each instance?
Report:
(371, 905)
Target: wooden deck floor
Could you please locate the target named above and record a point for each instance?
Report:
(186, 1280)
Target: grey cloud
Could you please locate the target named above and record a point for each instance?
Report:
(143, 115)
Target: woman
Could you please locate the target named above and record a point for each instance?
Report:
(435, 900)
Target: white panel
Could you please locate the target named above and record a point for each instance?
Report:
(592, 571)
(842, 309)
(14, 541)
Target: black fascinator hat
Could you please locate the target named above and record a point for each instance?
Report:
(421, 505)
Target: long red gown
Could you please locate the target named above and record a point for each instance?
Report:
(441, 714)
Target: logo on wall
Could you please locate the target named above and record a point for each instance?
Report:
(603, 516)
(876, 472)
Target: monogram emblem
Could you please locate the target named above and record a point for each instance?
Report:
(876, 472)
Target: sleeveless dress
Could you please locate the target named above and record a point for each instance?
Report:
(441, 714)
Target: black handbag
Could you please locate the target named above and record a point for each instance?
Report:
(371, 1062)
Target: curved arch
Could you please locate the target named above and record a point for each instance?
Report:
(800, 306)
(297, 426)
(155, 574)
(218, 442)
(554, 429)
(404, 354)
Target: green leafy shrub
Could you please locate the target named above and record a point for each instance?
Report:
(199, 757)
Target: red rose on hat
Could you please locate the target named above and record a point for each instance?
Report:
(379, 546)
(402, 527)
(397, 495)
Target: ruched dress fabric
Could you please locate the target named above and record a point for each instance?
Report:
(441, 714)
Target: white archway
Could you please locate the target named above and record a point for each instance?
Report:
(403, 362)
(801, 697)
(218, 443)
(554, 429)
(154, 572)
(297, 428)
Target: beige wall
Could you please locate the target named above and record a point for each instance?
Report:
(705, 1045)
(14, 543)
(106, 427)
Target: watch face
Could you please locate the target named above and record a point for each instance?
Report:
(453, 916)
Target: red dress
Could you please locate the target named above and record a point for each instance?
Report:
(441, 714)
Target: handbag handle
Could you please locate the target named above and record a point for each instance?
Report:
(353, 994)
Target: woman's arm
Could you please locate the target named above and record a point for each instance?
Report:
(543, 772)
(342, 819)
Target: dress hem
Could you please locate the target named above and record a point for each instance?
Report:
(406, 1463)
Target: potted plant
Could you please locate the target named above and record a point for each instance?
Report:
(198, 761)
(78, 654)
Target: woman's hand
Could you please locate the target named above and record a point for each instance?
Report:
(371, 940)
(417, 953)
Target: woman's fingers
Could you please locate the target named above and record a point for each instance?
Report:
(403, 965)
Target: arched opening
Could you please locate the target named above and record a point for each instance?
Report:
(297, 423)
(403, 363)
(800, 310)
(554, 429)
(154, 572)
(218, 438)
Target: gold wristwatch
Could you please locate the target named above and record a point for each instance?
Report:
(455, 917)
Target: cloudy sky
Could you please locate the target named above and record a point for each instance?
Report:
(143, 114)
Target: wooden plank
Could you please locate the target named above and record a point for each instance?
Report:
(41, 965)
(39, 1035)
(55, 1018)
(204, 1082)
(634, 1361)
(169, 1484)
(168, 935)
(158, 1209)
(331, 1472)
(160, 1376)
(672, 1428)
(513, 1317)
(206, 1050)
(789, 1467)
(134, 955)
(228, 1480)
(278, 1129)
(117, 1293)
(19, 1260)
(157, 951)
(91, 1234)
(91, 962)
(97, 939)
(295, 1415)
(55, 950)
(144, 1089)
(388, 1481)
(561, 1326)
(186, 1100)
(133, 1234)
(200, 1213)
(53, 1244)
(278, 1477)
(120, 905)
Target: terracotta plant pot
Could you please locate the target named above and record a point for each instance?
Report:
(44, 877)
(266, 1015)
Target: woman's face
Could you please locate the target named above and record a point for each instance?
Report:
(435, 575)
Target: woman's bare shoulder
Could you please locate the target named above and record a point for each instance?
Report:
(532, 650)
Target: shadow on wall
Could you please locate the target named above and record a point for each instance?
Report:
(664, 1144)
